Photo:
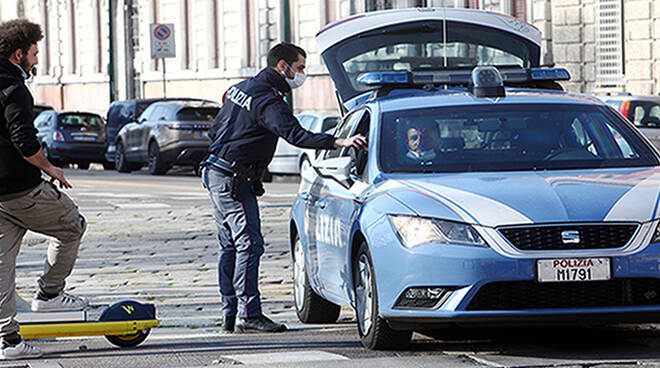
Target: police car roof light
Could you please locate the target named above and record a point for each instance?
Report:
(510, 75)
(383, 78)
(550, 74)
(487, 82)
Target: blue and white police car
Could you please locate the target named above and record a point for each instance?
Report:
(487, 194)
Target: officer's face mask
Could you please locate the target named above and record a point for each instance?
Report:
(298, 78)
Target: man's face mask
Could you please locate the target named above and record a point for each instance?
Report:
(298, 78)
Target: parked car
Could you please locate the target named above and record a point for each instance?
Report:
(166, 134)
(288, 159)
(482, 199)
(643, 111)
(72, 137)
(39, 108)
(121, 113)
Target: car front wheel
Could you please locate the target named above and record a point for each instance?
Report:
(310, 307)
(374, 331)
(157, 165)
(121, 164)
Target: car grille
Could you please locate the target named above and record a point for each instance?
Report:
(550, 237)
(514, 295)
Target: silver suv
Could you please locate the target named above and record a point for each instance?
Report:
(166, 134)
(643, 111)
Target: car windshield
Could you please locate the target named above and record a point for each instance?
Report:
(81, 120)
(508, 137)
(197, 114)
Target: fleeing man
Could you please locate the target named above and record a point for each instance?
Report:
(27, 202)
(243, 139)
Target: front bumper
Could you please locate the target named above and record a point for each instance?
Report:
(467, 270)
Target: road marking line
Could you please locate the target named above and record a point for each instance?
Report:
(287, 357)
(142, 185)
(139, 206)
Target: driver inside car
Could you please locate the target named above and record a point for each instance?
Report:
(421, 140)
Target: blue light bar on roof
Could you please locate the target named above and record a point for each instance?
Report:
(550, 74)
(381, 78)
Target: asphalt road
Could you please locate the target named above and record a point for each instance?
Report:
(152, 239)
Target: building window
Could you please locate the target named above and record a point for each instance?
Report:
(473, 4)
(46, 41)
(73, 38)
(20, 9)
(609, 43)
(99, 38)
(520, 9)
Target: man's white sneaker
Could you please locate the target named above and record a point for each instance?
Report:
(20, 351)
(61, 303)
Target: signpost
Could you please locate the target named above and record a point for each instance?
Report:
(162, 45)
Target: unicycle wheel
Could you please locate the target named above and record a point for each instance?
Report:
(128, 341)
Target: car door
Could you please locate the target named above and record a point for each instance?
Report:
(333, 209)
(131, 134)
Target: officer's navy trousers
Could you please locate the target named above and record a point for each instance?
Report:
(241, 246)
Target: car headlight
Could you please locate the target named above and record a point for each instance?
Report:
(415, 231)
(656, 235)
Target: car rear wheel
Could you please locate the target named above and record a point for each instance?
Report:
(83, 165)
(310, 307)
(374, 331)
(156, 164)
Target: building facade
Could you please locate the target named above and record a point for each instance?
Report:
(97, 51)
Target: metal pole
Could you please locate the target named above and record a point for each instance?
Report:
(111, 49)
(285, 20)
(162, 60)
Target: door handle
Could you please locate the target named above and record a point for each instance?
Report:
(306, 197)
(321, 204)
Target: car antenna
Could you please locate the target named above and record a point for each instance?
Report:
(444, 33)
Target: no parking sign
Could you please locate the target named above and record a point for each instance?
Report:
(162, 40)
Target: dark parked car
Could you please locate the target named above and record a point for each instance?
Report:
(69, 137)
(643, 111)
(166, 134)
(121, 113)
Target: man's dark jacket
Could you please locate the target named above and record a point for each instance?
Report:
(253, 116)
(18, 137)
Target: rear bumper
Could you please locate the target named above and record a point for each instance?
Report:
(185, 153)
(77, 152)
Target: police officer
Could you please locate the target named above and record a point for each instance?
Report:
(243, 140)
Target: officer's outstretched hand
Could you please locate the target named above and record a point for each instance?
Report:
(358, 141)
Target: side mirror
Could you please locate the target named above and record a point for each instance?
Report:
(337, 168)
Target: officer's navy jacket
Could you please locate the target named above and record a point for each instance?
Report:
(253, 116)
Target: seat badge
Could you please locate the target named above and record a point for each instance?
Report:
(570, 237)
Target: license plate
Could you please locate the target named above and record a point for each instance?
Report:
(84, 138)
(573, 269)
(201, 134)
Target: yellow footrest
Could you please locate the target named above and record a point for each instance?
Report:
(40, 330)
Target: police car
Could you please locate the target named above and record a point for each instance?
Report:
(487, 195)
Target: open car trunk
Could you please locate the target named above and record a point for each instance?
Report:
(422, 40)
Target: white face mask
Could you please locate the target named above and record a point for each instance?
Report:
(298, 79)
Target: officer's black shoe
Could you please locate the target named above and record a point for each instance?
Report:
(228, 323)
(259, 324)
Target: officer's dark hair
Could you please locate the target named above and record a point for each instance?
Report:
(284, 50)
(18, 34)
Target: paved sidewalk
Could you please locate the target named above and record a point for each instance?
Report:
(166, 255)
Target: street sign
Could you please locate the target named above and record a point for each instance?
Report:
(162, 41)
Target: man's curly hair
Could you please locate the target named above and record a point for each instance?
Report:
(18, 34)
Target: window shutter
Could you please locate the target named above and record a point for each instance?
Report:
(609, 43)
